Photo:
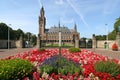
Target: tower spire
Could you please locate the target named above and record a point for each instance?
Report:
(75, 28)
(59, 24)
(42, 11)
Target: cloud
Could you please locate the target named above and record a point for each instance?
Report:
(40, 3)
(78, 13)
(66, 21)
(59, 2)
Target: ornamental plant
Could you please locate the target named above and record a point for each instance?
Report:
(58, 64)
(107, 67)
(41, 49)
(14, 69)
(115, 47)
(74, 50)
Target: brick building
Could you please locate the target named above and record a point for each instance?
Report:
(52, 35)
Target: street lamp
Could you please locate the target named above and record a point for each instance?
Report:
(9, 37)
(107, 36)
(86, 43)
(60, 42)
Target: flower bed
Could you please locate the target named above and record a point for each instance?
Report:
(87, 59)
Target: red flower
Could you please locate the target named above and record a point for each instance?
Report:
(114, 47)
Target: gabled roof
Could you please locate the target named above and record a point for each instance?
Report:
(57, 29)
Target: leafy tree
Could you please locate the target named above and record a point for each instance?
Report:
(18, 33)
(117, 24)
(101, 37)
(112, 35)
(3, 31)
(33, 39)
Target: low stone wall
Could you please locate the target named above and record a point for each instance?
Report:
(4, 44)
(101, 43)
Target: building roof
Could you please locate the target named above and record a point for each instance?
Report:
(57, 29)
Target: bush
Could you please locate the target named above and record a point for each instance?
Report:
(58, 64)
(41, 49)
(107, 67)
(14, 69)
(74, 50)
(115, 47)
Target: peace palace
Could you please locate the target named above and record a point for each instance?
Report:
(51, 35)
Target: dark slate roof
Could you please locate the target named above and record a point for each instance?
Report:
(57, 29)
(46, 30)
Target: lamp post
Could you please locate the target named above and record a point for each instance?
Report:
(107, 36)
(9, 37)
(59, 42)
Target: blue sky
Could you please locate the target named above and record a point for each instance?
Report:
(89, 15)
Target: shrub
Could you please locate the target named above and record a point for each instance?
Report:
(41, 49)
(74, 50)
(14, 69)
(107, 67)
(58, 64)
(115, 47)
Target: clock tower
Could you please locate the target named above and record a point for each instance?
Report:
(42, 22)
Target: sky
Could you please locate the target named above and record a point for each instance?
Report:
(90, 16)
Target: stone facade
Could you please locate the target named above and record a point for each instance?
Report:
(51, 35)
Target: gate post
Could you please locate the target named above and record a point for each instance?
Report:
(38, 41)
(94, 43)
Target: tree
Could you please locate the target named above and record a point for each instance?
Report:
(117, 24)
(14, 34)
(18, 33)
(112, 35)
(101, 37)
(33, 40)
(4, 31)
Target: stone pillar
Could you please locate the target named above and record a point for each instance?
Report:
(38, 41)
(94, 43)
(21, 41)
(118, 39)
(76, 41)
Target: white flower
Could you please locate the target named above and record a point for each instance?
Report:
(91, 75)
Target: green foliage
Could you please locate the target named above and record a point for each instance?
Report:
(107, 67)
(74, 50)
(112, 35)
(14, 69)
(33, 40)
(58, 64)
(41, 49)
(57, 45)
(3, 31)
(101, 37)
(15, 34)
(116, 24)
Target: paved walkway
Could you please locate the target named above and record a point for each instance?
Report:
(109, 53)
(112, 54)
(5, 52)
